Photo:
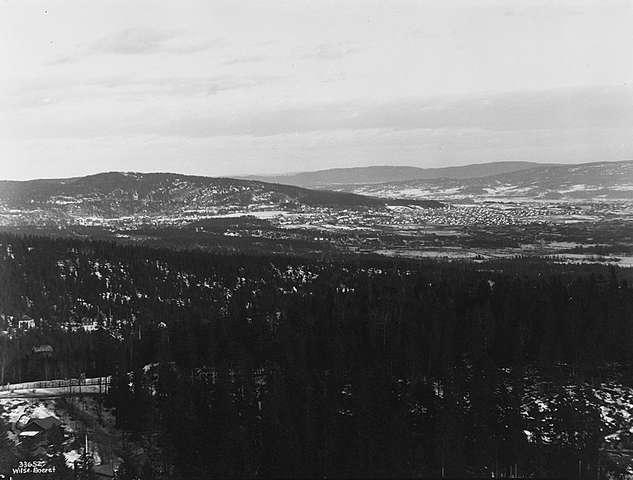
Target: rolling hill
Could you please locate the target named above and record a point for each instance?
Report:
(382, 174)
(588, 181)
(116, 195)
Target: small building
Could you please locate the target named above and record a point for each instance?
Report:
(26, 323)
(39, 430)
(103, 471)
(41, 359)
(43, 424)
(89, 326)
(44, 350)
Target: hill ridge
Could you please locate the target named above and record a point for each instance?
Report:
(120, 194)
(391, 173)
(593, 180)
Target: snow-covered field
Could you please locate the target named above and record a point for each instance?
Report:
(448, 253)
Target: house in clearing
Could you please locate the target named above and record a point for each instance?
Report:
(26, 323)
(41, 359)
(44, 350)
(40, 430)
(43, 424)
(89, 325)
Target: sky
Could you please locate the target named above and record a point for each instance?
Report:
(225, 87)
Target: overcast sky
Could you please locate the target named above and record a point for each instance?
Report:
(217, 87)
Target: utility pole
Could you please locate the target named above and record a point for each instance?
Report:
(83, 466)
(579, 468)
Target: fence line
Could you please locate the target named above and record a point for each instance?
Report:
(69, 382)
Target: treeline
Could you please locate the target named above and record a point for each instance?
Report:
(276, 366)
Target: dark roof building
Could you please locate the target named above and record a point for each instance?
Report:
(103, 471)
(42, 424)
(42, 349)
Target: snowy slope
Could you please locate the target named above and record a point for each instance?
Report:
(602, 180)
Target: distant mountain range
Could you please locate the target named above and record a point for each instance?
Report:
(116, 195)
(383, 174)
(599, 180)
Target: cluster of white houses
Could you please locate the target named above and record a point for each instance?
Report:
(13, 325)
(10, 325)
(85, 324)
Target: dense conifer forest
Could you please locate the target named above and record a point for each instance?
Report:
(258, 366)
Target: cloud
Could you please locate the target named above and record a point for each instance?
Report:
(134, 41)
(421, 32)
(543, 11)
(332, 51)
(140, 41)
(184, 109)
(560, 109)
(45, 93)
(244, 59)
(62, 60)
(175, 86)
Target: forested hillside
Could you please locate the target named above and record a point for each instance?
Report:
(277, 366)
(141, 197)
